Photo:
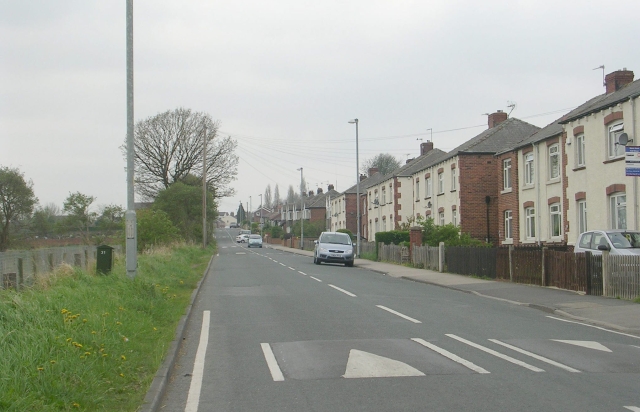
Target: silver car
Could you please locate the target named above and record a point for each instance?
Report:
(617, 242)
(255, 241)
(333, 247)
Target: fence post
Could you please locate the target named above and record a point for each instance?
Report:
(510, 263)
(587, 267)
(441, 257)
(605, 272)
(544, 280)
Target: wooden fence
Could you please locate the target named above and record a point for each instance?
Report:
(478, 261)
(622, 276)
(426, 257)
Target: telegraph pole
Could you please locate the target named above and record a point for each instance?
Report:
(131, 242)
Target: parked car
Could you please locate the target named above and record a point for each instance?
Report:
(234, 226)
(255, 241)
(617, 242)
(333, 247)
(242, 238)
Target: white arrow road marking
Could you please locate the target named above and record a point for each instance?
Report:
(398, 314)
(585, 344)
(451, 356)
(533, 355)
(344, 291)
(315, 278)
(497, 354)
(302, 273)
(272, 363)
(367, 365)
(193, 399)
(594, 326)
(633, 408)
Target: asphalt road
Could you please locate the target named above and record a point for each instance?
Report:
(271, 331)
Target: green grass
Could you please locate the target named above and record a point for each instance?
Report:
(77, 341)
(369, 256)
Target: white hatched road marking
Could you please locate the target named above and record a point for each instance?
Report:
(302, 273)
(272, 363)
(633, 408)
(398, 314)
(193, 399)
(593, 326)
(451, 356)
(494, 353)
(315, 278)
(343, 291)
(533, 355)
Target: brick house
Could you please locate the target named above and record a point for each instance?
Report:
(594, 162)
(344, 207)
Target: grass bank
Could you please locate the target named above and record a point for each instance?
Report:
(80, 341)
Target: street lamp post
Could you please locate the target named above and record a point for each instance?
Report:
(260, 221)
(357, 190)
(302, 211)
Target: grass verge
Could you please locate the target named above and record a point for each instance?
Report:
(80, 341)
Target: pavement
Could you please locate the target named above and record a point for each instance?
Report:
(617, 314)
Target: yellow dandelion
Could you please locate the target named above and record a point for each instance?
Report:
(118, 323)
(181, 282)
(40, 368)
(155, 328)
(87, 353)
(68, 339)
(123, 357)
(63, 311)
(122, 374)
(53, 362)
(121, 308)
(84, 320)
(93, 332)
(104, 355)
(82, 356)
(75, 405)
(125, 339)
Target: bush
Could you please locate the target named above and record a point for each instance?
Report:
(275, 232)
(393, 236)
(155, 228)
(347, 231)
(433, 234)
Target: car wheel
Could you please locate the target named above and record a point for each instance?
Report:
(316, 261)
(349, 264)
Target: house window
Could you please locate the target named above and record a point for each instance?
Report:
(454, 217)
(580, 155)
(530, 222)
(384, 196)
(506, 174)
(555, 219)
(441, 218)
(618, 210)
(528, 169)
(384, 225)
(440, 183)
(554, 161)
(417, 190)
(377, 226)
(508, 231)
(427, 187)
(582, 216)
(616, 149)
(453, 179)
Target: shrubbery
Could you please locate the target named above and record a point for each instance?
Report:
(155, 228)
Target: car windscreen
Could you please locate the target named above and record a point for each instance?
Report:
(255, 237)
(625, 240)
(335, 239)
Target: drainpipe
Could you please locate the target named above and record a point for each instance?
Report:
(538, 187)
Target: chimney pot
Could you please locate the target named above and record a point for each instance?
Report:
(496, 118)
(330, 187)
(319, 190)
(310, 193)
(362, 177)
(426, 148)
(617, 80)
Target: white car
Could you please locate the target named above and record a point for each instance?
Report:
(255, 241)
(242, 238)
(617, 242)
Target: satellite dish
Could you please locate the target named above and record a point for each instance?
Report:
(623, 139)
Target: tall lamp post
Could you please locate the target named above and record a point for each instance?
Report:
(302, 211)
(357, 189)
(260, 221)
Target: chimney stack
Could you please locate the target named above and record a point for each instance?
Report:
(373, 171)
(310, 193)
(617, 80)
(497, 118)
(425, 148)
(319, 191)
(362, 177)
(330, 187)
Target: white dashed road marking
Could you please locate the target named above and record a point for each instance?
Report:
(398, 314)
(193, 398)
(272, 363)
(343, 291)
(315, 278)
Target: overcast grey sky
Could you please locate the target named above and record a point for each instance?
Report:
(284, 77)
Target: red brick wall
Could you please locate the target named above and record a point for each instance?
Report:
(508, 201)
(350, 209)
(478, 179)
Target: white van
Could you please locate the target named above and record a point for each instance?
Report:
(245, 232)
(617, 242)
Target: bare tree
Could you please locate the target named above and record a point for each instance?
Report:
(291, 195)
(385, 163)
(267, 197)
(168, 147)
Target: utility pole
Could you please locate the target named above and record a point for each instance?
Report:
(131, 242)
(204, 188)
(301, 211)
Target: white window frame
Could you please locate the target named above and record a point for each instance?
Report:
(580, 151)
(454, 217)
(427, 187)
(506, 174)
(417, 190)
(530, 222)
(554, 161)
(555, 220)
(441, 218)
(618, 210)
(529, 169)
(440, 183)
(384, 196)
(384, 225)
(454, 176)
(614, 131)
(508, 224)
(582, 216)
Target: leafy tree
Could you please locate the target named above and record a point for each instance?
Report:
(275, 202)
(311, 229)
(79, 216)
(155, 228)
(274, 231)
(43, 221)
(16, 201)
(267, 197)
(110, 217)
(169, 145)
(385, 163)
(183, 205)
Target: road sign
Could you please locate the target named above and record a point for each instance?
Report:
(632, 160)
